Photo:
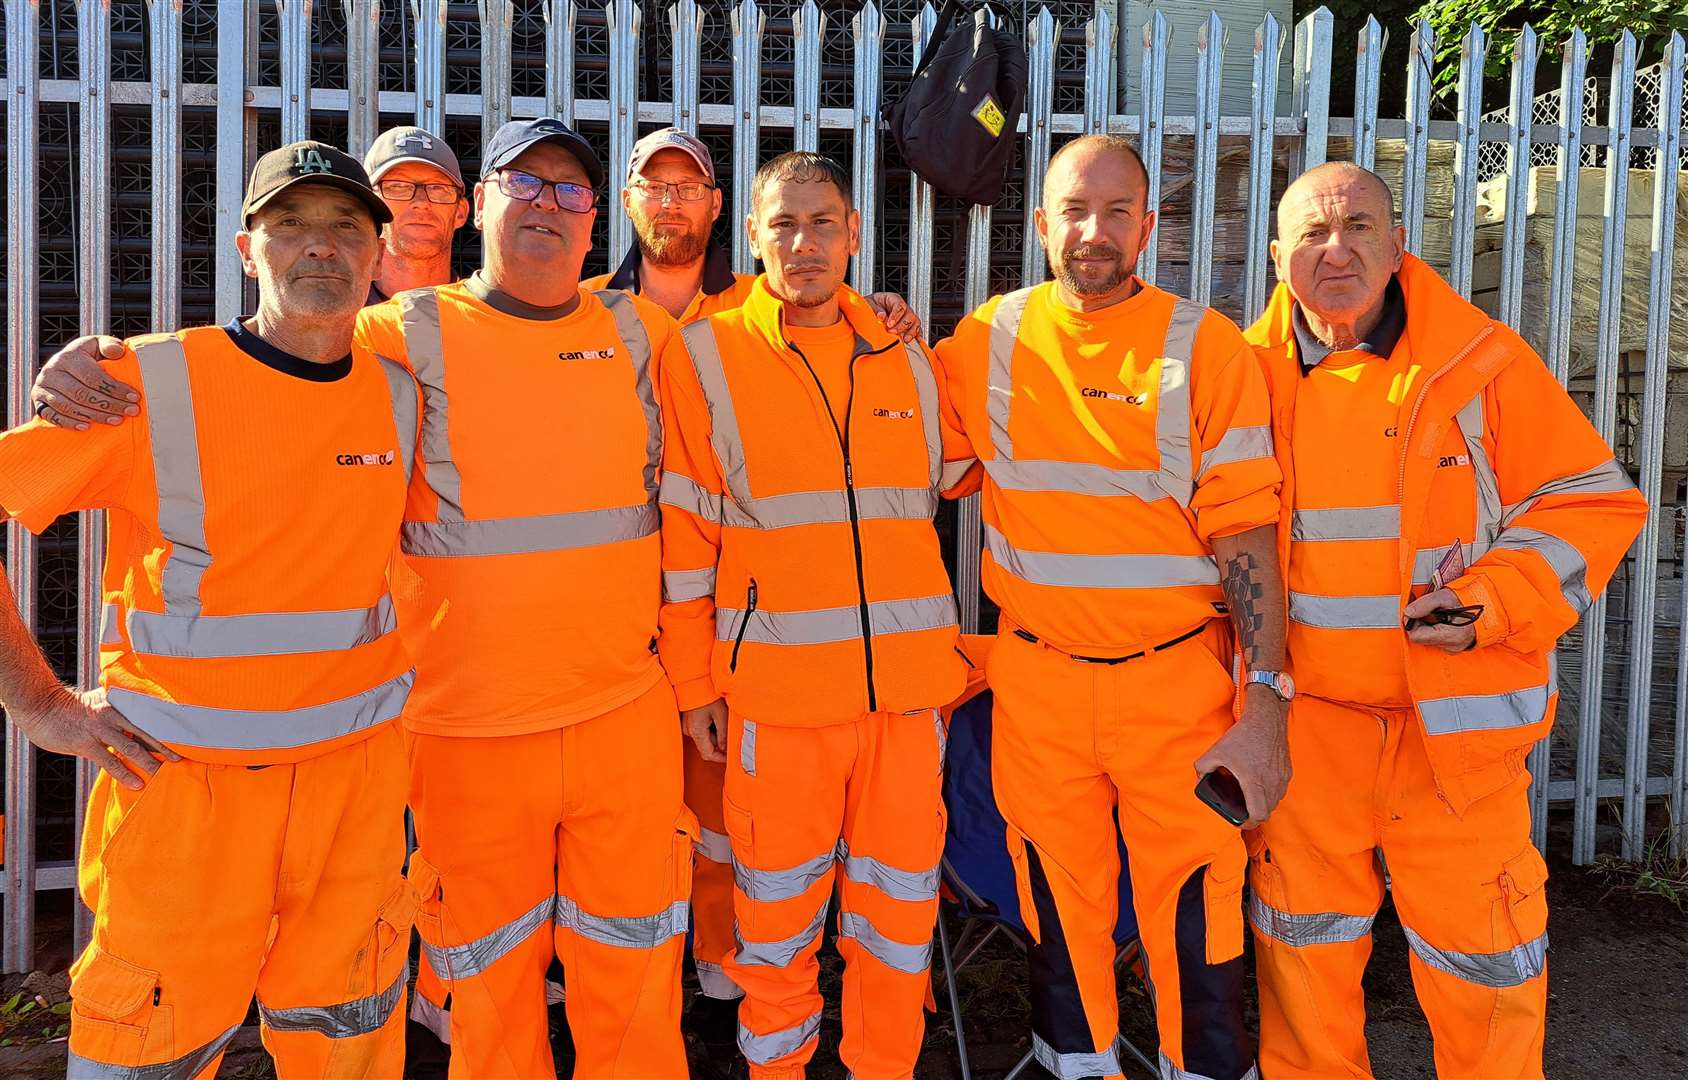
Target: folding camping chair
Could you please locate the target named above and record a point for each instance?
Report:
(978, 874)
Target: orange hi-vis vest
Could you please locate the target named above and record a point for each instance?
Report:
(532, 571)
(799, 553)
(1492, 453)
(1116, 445)
(252, 517)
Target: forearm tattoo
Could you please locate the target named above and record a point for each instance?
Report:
(1243, 593)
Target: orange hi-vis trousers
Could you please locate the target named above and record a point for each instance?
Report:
(1363, 804)
(572, 841)
(217, 881)
(712, 877)
(858, 804)
(1072, 742)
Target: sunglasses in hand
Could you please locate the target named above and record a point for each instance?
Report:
(1453, 616)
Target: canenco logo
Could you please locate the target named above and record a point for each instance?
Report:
(895, 414)
(365, 459)
(588, 354)
(1129, 399)
(1449, 460)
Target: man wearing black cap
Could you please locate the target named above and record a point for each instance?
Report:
(245, 835)
(545, 742)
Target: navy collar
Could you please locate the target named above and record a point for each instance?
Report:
(1380, 342)
(717, 270)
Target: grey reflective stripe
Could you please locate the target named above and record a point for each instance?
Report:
(1347, 523)
(1076, 1065)
(898, 884)
(1489, 509)
(419, 312)
(747, 745)
(1567, 562)
(679, 586)
(1345, 612)
(1498, 970)
(174, 437)
(404, 392)
(1607, 478)
(625, 931)
(897, 955)
(772, 886)
(684, 493)
(779, 953)
(1484, 712)
(826, 507)
(705, 353)
(153, 633)
(769, 1048)
(714, 846)
(1101, 571)
(186, 1067)
(346, 1020)
(1324, 928)
(250, 729)
(110, 633)
(1427, 560)
(824, 625)
(999, 377)
(1169, 1071)
(943, 737)
(926, 392)
(1238, 444)
(473, 957)
(520, 536)
(631, 329)
(1172, 403)
(1076, 478)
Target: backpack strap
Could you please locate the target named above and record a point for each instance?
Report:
(947, 19)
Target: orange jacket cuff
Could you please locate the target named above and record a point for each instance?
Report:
(1491, 626)
(695, 693)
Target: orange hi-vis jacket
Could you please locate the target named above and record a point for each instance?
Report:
(1117, 444)
(798, 552)
(721, 288)
(252, 515)
(1493, 455)
(531, 581)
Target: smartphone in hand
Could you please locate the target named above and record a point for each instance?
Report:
(1223, 795)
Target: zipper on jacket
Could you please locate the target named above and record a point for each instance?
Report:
(744, 624)
(850, 501)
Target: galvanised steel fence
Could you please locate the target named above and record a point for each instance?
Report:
(129, 136)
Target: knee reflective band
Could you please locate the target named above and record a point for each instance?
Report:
(1324, 928)
(1169, 1071)
(186, 1067)
(779, 953)
(344, 1021)
(626, 931)
(1498, 970)
(899, 955)
(762, 1049)
(772, 886)
(912, 885)
(471, 958)
(1075, 1066)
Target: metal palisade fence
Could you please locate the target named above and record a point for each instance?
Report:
(1570, 232)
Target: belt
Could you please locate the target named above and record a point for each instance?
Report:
(1025, 635)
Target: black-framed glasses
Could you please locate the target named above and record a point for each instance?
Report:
(1453, 616)
(527, 187)
(405, 191)
(657, 190)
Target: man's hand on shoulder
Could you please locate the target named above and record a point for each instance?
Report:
(74, 391)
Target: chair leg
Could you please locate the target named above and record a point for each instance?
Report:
(954, 999)
(1020, 1068)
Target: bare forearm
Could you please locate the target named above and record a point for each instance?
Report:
(1254, 592)
(26, 679)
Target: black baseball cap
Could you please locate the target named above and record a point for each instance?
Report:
(309, 162)
(508, 142)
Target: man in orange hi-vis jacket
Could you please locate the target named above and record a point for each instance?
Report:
(1449, 514)
(1130, 500)
(806, 453)
(248, 639)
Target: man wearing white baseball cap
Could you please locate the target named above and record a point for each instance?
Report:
(418, 177)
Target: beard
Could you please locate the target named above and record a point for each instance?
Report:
(1092, 282)
(813, 295)
(670, 248)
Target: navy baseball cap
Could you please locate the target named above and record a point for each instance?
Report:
(508, 142)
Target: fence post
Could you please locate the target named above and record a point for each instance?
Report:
(23, 312)
(625, 21)
(748, 25)
(868, 28)
(808, 29)
(166, 164)
(430, 64)
(1041, 37)
(1604, 414)
(920, 207)
(237, 131)
(685, 20)
(1313, 41)
(1421, 73)
(1573, 69)
(1100, 36)
(1524, 53)
(1368, 78)
(1157, 37)
(1263, 126)
(295, 69)
(560, 18)
(1473, 53)
(497, 17)
(1210, 75)
(363, 75)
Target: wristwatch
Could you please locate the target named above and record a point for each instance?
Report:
(1278, 682)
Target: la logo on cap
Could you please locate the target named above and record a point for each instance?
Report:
(310, 161)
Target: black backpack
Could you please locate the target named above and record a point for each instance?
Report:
(956, 126)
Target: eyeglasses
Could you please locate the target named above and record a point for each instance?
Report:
(1453, 616)
(527, 187)
(657, 191)
(405, 191)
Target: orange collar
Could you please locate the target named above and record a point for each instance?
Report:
(765, 313)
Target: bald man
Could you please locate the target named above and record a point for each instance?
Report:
(1449, 513)
(1130, 502)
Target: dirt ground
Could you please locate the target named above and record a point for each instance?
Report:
(1617, 982)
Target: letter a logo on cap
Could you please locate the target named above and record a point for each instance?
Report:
(311, 161)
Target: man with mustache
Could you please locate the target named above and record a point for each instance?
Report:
(810, 628)
(1130, 502)
(248, 641)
